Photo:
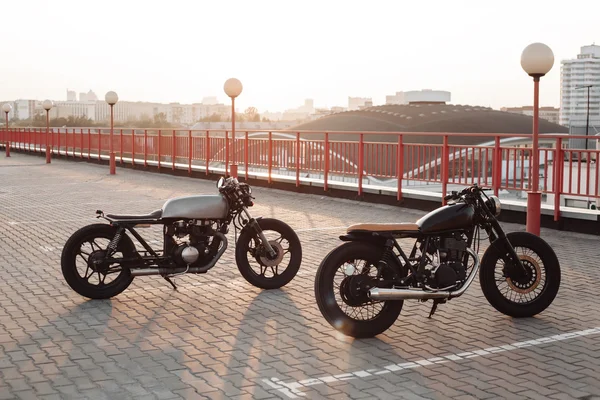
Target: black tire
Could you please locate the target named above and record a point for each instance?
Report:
(72, 257)
(326, 296)
(539, 259)
(245, 254)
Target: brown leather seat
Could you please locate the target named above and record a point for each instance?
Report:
(403, 226)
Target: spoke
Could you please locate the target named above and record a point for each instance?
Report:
(85, 275)
(83, 258)
(274, 270)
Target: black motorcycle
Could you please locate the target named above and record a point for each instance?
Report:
(361, 285)
(100, 260)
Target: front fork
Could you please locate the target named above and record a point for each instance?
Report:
(509, 249)
(254, 225)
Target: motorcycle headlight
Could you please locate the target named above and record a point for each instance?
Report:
(493, 203)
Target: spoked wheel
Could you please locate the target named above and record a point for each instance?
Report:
(521, 292)
(341, 288)
(261, 269)
(86, 268)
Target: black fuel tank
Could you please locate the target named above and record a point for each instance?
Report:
(455, 216)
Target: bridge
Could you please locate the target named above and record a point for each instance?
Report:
(350, 162)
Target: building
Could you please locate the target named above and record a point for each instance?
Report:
(65, 109)
(575, 75)
(419, 96)
(358, 103)
(71, 95)
(548, 113)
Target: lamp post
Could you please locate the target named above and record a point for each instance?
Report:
(111, 98)
(47, 104)
(537, 60)
(587, 122)
(6, 108)
(233, 88)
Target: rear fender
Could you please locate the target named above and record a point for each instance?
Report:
(367, 237)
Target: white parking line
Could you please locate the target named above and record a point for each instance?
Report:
(292, 389)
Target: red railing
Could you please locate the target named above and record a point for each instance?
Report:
(396, 164)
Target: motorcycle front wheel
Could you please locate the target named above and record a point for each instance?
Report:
(80, 267)
(529, 292)
(262, 270)
(341, 291)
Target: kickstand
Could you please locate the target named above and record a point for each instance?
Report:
(170, 281)
(434, 307)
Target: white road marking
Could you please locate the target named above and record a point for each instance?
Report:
(292, 389)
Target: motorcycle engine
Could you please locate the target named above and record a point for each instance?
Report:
(194, 252)
(451, 270)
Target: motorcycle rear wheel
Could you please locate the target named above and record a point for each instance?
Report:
(256, 267)
(88, 279)
(344, 308)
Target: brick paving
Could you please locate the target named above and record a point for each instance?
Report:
(219, 337)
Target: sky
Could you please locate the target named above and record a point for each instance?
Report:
(285, 51)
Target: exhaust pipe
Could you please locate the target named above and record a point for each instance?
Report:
(419, 294)
(406, 294)
(180, 270)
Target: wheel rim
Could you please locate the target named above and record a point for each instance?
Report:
(527, 287)
(350, 285)
(264, 266)
(89, 268)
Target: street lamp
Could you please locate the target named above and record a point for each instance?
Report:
(47, 104)
(537, 60)
(233, 88)
(587, 122)
(111, 98)
(6, 108)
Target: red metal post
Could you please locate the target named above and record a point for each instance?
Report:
(534, 197)
(444, 172)
(174, 151)
(361, 161)
(133, 147)
(7, 148)
(326, 172)
(246, 152)
(234, 166)
(99, 142)
(158, 148)
(207, 151)
(558, 170)
(121, 146)
(297, 159)
(270, 155)
(145, 147)
(399, 166)
(497, 167)
(89, 142)
(189, 152)
(48, 156)
(112, 162)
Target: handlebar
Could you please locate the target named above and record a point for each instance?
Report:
(457, 195)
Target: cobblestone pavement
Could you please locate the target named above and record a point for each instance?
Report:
(219, 337)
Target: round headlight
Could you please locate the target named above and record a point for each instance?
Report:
(220, 182)
(493, 203)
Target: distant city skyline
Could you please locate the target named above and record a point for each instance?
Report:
(287, 52)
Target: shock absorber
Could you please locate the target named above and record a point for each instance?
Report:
(386, 257)
(115, 241)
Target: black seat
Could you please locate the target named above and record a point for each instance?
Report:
(156, 214)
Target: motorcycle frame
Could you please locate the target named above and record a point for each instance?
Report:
(154, 260)
(483, 219)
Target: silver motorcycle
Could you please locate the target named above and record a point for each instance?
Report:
(99, 261)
